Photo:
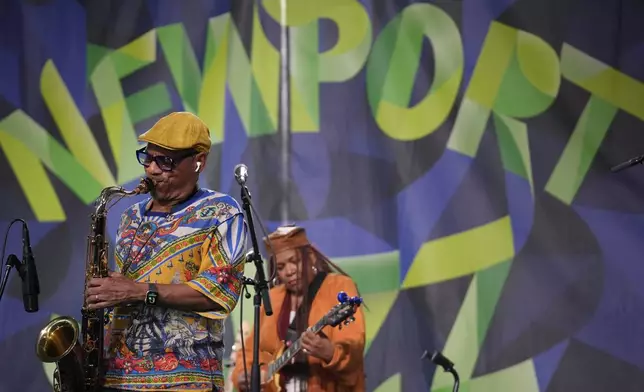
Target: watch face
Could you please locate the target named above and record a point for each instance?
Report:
(151, 299)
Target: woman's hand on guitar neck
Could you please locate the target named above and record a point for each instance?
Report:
(318, 346)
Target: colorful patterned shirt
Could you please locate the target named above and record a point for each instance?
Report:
(201, 243)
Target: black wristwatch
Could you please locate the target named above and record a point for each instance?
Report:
(152, 295)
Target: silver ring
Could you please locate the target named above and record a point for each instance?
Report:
(96, 297)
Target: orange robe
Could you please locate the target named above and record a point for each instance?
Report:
(345, 372)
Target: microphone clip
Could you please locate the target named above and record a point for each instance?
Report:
(12, 262)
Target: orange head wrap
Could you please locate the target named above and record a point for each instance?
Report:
(285, 238)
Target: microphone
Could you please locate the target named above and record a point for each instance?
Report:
(30, 284)
(627, 164)
(439, 359)
(241, 174)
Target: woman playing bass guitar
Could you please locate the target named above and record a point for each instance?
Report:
(307, 288)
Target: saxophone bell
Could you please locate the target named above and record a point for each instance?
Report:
(57, 339)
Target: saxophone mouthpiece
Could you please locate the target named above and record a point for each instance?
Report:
(145, 186)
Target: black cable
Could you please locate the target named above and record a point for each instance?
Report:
(241, 330)
(258, 219)
(4, 245)
(456, 380)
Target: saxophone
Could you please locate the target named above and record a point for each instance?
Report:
(79, 359)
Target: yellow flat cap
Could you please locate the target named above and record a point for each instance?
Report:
(179, 131)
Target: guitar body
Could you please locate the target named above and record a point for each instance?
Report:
(274, 384)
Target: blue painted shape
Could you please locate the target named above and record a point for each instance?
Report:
(310, 171)
(48, 26)
(165, 12)
(485, 178)
(343, 129)
(10, 87)
(520, 207)
(37, 231)
(615, 327)
(12, 310)
(236, 143)
(532, 281)
(422, 203)
(546, 363)
(11, 44)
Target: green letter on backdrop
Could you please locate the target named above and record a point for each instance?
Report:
(308, 67)
(392, 66)
(516, 75)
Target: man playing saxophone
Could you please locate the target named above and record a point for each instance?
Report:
(180, 256)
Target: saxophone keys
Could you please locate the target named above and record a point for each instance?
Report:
(90, 345)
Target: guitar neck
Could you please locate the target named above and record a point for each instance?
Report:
(291, 351)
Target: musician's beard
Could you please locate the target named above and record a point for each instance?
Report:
(161, 197)
(168, 197)
(166, 193)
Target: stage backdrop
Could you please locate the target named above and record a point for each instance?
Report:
(451, 155)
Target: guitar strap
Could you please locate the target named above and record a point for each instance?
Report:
(291, 333)
(299, 368)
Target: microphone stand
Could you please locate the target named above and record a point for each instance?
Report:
(261, 289)
(12, 262)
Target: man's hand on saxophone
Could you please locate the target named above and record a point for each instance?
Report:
(119, 290)
(113, 290)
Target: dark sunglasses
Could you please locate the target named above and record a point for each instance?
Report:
(164, 162)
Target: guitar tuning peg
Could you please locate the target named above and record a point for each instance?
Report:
(343, 297)
(352, 319)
